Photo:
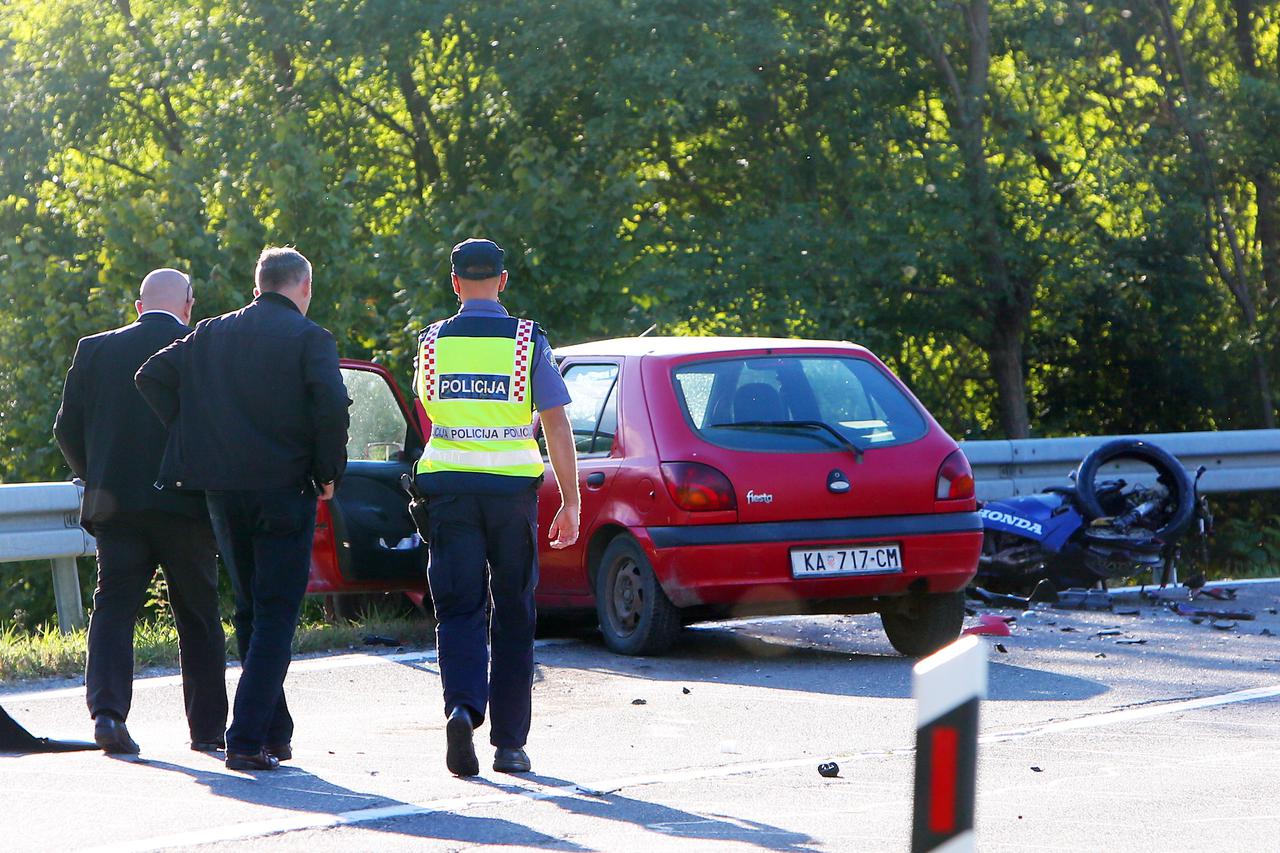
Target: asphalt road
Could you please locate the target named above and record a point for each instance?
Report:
(1087, 744)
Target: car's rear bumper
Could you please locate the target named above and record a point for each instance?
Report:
(744, 564)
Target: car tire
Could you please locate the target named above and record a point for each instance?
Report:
(922, 624)
(636, 617)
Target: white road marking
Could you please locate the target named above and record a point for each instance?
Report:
(294, 823)
(317, 664)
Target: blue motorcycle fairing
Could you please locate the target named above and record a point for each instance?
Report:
(1046, 518)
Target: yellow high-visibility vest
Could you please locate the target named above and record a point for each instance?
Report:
(473, 378)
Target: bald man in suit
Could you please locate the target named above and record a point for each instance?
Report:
(113, 441)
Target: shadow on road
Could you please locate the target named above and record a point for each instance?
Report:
(293, 789)
(726, 656)
(657, 818)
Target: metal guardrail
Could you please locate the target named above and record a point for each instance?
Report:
(41, 521)
(1236, 460)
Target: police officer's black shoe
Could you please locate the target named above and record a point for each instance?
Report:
(112, 736)
(280, 751)
(460, 757)
(508, 759)
(259, 760)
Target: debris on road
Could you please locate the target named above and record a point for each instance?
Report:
(1223, 624)
(1037, 769)
(829, 770)
(685, 690)
(639, 702)
(1134, 612)
(989, 625)
(1100, 655)
(1265, 632)
(1001, 649)
(1109, 632)
(1083, 599)
(1130, 641)
(379, 640)
(1184, 610)
(1044, 592)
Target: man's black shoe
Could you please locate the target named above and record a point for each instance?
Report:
(460, 757)
(280, 751)
(211, 745)
(112, 736)
(507, 759)
(259, 760)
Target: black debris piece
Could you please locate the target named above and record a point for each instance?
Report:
(1100, 655)
(1265, 632)
(14, 738)
(1134, 612)
(1185, 610)
(1130, 641)
(1000, 648)
(1223, 624)
(1109, 632)
(1272, 611)
(1196, 620)
(1036, 769)
(379, 640)
(1066, 628)
(685, 690)
(829, 770)
(639, 702)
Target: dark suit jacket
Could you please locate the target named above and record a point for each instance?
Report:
(109, 435)
(254, 400)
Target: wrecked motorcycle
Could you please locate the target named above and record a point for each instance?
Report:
(1095, 530)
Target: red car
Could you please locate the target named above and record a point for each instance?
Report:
(720, 477)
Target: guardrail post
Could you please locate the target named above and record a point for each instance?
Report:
(948, 687)
(66, 594)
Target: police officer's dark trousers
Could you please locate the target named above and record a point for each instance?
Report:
(467, 533)
(265, 540)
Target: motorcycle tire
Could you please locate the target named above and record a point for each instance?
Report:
(1168, 470)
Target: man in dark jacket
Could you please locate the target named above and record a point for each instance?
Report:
(112, 440)
(258, 419)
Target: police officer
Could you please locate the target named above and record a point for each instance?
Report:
(480, 375)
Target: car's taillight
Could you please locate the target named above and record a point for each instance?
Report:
(697, 487)
(955, 478)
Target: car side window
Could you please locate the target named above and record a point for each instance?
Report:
(378, 427)
(593, 414)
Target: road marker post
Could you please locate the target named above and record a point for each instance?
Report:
(948, 687)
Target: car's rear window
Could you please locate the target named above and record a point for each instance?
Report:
(796, 403)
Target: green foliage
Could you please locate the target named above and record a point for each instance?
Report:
(1049, 217)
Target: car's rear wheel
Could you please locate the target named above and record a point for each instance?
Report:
(636, 617)
(921, 624)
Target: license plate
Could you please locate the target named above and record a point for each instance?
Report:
(881, 558)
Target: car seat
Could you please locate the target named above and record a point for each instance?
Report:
(757, 401)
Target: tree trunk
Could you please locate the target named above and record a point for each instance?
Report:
(1005, 354)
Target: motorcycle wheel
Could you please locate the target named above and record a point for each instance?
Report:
(1180, 505)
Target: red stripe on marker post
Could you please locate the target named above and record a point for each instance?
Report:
(948, 687)
(942, 780)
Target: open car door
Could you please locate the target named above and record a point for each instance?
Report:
(365, 540)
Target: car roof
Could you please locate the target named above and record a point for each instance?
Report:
(698, 345)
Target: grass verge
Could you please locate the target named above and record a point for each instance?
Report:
(48, 653)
